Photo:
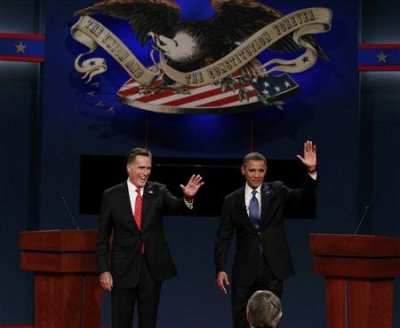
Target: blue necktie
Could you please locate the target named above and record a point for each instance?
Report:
(254, 210)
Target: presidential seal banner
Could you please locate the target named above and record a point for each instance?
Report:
(218, 83)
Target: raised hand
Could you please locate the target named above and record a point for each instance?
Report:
(309, 157)
(191, 188)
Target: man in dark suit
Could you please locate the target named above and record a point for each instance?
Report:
(131, 220)
(255, 213)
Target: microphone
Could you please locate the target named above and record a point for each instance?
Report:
(366, 209)
(69, 212)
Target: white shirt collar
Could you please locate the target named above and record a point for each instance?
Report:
(132, 188)
(249, 190)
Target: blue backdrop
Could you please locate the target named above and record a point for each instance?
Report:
(325, 110)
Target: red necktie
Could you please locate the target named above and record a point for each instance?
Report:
(138, 209)
(138, 213)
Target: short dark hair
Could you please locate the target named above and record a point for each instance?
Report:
(264, 309)
(137, 152)
(255, 157)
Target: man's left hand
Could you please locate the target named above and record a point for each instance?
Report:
(191, 188)
(309, 157)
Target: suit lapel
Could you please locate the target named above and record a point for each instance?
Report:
(148, 195)
(242, 208)
(241, 203)
(126, 202)
(266, 193)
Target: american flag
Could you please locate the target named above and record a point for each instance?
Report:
(236, 93)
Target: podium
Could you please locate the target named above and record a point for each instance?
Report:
(67, 288)
(359, 275)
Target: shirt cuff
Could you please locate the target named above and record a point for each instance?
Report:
(313, 175)
(189, 205)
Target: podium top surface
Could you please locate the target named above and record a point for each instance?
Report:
(58, 240)
(354, 245)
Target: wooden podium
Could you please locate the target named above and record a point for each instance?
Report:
(359, 274)
(67, 288)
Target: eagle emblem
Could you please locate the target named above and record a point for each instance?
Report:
(230, 61)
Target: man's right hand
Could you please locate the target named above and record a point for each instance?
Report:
(222, 281)
(106, 281)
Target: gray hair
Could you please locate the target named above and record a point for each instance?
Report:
(264, 309)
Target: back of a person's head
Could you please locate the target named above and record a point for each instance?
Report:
(264, 310)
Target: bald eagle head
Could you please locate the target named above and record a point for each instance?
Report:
(181, 49)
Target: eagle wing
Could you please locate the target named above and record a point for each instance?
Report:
(237, 20)
(144, 16)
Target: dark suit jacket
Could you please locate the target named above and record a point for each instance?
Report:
(275, 196)
(116, 218)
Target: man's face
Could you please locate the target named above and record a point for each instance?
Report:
(254, 172)
(139, 170)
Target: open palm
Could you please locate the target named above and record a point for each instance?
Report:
(309, 158)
